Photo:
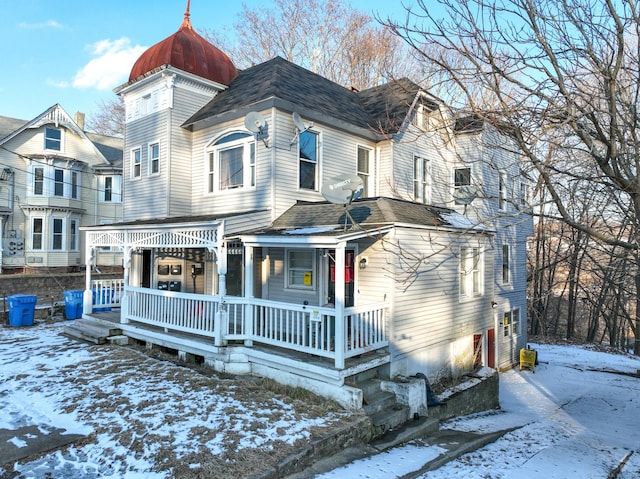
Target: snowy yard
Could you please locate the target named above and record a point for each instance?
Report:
(142, 417)
(576, 417)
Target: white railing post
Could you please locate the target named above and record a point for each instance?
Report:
(340, 339)
(248, 293)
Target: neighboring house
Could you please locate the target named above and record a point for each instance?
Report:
(55, 178)
(233, 253)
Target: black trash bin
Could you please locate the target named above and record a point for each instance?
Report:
(22, 308)
(73, 300)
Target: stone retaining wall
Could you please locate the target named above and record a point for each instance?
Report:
(481, 396)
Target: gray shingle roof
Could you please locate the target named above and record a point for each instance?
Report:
(9, 125)
(380, 110)
(369, 213)
(111, 147)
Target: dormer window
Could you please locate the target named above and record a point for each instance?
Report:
(232, 163)
(52, 139)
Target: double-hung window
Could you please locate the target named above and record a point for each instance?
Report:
(506, 322)
(365, 170)
(515, 321)
(53, 139)
(136, 163)
(232, 163)
(74, 184)
(502, 191)
(57, 233)
(73, 235)
(470, 272)
(58, 182)
(36, 233)
(506, 264)
(461, 179)
(308, 160)
(110, 189)
(38, 181)
(154, 158)
(421, 192)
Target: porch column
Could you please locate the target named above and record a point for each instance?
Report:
(340, 336)
(221, 315)
(248, 293)
(124, 300)
(87, 296)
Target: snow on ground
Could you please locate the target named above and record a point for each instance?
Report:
(573, 422)
(576, 417)
(143, 417)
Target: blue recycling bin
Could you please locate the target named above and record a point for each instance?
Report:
(104, 296)
(73, 300)
(22, 308)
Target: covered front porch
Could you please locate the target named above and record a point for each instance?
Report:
(239, 333)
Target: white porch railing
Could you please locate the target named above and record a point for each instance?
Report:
(307, 329)
(107, 293)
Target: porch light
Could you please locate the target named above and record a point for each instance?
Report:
(363, 263)
(494, 305)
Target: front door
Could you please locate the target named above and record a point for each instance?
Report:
(349, 278)
(491, 348)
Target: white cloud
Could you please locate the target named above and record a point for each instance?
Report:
(40, 25)
(110, 66)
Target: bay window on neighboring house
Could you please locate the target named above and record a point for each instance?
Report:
(73, 235)
(470, 272)
(308, 160)
(38, 181)
(421, 183)
(58, 182)
(74, 184)
(57, 234)
(37, 232)
(231, 163)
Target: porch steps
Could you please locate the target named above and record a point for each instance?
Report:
(91, 330)
(381, 406)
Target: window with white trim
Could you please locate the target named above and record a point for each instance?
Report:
(75, 184)
(461, 179)
(52, 139)
(136, 162)
(232, 163)
(421, 180)
(38, 181)
(110, 188)
(515, 321)
(73, 235)
(57, 234)
(470, 272)
(37, 233)
(506, 323)
(58, 182)
(502, 191)
(154, 158)
(365, 170)
(308, 160)
(506, 264)
(300, 268)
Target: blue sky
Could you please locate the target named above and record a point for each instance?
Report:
(74, 52)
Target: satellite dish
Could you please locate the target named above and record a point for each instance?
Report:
(297, 120)
(342, 189)
(255, 122)
(464, 195)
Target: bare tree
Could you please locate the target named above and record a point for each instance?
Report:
(328, 37)
(563, 76)
(109, 120)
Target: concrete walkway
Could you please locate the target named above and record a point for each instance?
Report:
(28, 441)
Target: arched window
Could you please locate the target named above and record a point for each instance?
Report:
(231, 162)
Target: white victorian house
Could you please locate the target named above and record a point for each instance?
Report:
(233, 253)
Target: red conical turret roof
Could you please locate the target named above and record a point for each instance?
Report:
(187, 51)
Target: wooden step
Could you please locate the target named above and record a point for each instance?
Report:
(91, 330)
